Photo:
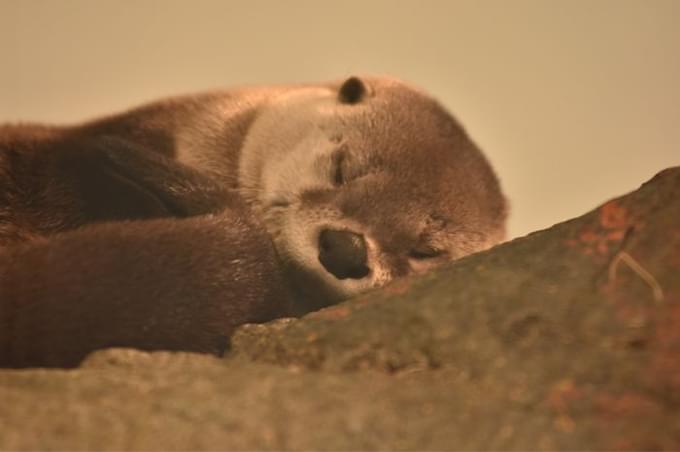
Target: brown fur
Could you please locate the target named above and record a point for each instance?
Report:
(140, 229)
(77, 275)
(173, 284)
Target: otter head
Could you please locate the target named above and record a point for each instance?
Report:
(363, 181)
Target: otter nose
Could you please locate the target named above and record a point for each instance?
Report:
(343, 254)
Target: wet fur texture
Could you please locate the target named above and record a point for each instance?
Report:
(169, 225)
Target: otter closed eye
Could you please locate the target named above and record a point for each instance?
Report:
(425, 252)
(339, 157)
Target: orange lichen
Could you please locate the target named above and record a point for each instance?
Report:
(612, 408)
(613, 216)
(398, 287)
(335, 313)
(597, 239)
(562, 394)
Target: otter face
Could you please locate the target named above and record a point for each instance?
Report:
(364, 181)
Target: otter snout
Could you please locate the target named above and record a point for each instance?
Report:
(343, 254)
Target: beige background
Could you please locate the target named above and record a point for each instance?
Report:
(574, 102)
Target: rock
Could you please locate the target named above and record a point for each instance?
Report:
(566, 339)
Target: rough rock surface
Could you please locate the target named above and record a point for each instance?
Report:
(566, 339)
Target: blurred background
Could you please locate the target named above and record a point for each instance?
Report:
(574, 102)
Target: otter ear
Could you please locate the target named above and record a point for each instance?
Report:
(352, 91)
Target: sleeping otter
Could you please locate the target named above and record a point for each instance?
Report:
(167, 226)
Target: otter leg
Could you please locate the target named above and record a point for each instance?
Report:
(171, 284)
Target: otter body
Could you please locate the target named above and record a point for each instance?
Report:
(167, 226)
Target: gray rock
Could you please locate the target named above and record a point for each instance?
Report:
(566, 339)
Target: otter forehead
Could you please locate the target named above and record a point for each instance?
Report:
(391, 127)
